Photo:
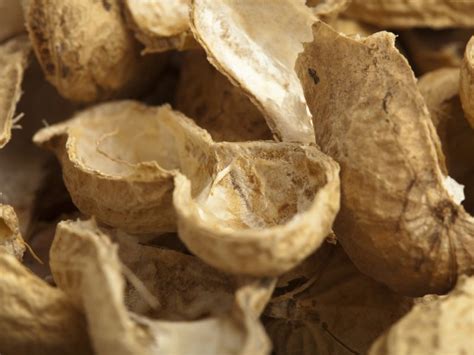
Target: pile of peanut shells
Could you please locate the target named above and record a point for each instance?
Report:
(236, 177)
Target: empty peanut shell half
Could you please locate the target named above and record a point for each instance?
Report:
(414, 13)
(215, 104)
(36, 318)
(260, 59)
(86, 51)
(398, 222)
(443, 325)
(13, 62)
(119, 159)
(86, 266)
(10, 236)
(160, 25)
(266, 207)
(467, 82)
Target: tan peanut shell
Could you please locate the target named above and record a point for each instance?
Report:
(266, 208)
(118, 161)
(467, 82)
(215, 104)
(161, 25)
(13, 62)
(430, 49)
(414, 13)
(86, 51)
(11, 241)
(443, 325)
(11, 18)
(36, 318)
(326, 305)
(255, 208)
(440, 89)
(86, 266)
(398, 223)
(260, 59)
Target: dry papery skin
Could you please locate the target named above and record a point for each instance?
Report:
(467, 82)
(215, 104)
(36, 318)
(413, 13)
(11, 241)
(443, 325)
(260, 59)
(161, 25)
(440, 89)
(11, 18)
(398, 222)
(253, 208)
(86, 266)
(326, 306)
(100, 61)
(430, 49)
(13, 62)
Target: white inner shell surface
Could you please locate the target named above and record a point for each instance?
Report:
(256, 43)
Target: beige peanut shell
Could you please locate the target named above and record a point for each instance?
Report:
(11, 18)
(13, 62)
(11, 241)
(255, 208)
(215, 104)
(398, 223)
(467, 82)
(260, 59)
(86, 51)
(442, 325)
(413, 13)
(161, 25)
(36, 318)
(86, 266)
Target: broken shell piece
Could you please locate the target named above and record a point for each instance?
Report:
(119, 161)
(327, 304)
(10, 236)
(161, 25)
(13, 61)
(11, 18)
(83, 258)
(397, 222)
(467, 82)
(260, 59)
(442, 325)
(430, 49)
(328, 10)
(440, 90)
(215, 104)
(185, 287)
(268, 206)
(413, 13)
(100, 61)
(36, 318)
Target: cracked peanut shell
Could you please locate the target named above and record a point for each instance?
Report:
(467, 82)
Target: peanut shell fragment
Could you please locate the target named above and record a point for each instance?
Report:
(13, 62)
(98, 62)
(11, 241)
(11, 18)
(467, 82)
(260, 59)
(443, 325)
(36, 318)
(160, 25)
(413, 13)
(82, 258)
(398, 223)
(265, 202)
